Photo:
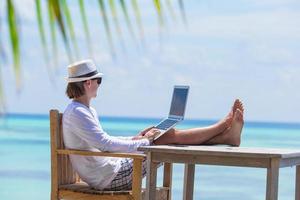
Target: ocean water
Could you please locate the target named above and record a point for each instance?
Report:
(25, 159)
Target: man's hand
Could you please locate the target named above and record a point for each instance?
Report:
(149, 133)
(142, 133)
(152, 133)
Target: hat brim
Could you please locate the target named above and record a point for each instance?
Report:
(72, 80)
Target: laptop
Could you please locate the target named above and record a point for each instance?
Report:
(177, 110)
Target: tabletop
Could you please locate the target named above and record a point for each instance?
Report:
(225, 151)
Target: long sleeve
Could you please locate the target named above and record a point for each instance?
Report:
(87, 128)
(123, 137)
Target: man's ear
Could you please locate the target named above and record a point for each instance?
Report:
(88, 83)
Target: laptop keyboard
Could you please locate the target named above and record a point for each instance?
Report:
(164, 125)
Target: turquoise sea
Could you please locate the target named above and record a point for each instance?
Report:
(25, 159)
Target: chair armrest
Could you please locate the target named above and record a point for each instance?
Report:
(108, 154)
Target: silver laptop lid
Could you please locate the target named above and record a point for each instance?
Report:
(179, 100)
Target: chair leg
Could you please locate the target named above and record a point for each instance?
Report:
(54, 196)
(151, 178)
(137, 179)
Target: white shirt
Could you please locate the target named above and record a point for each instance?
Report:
(82, 131)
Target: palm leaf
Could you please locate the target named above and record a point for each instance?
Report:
(53, 34)
(41, 29)
(14, 40)
(57, 15)
(128, 23)
(43, 38)
(138, 20)
(116, 22)
(85, 25)
(107, 27)
(70, 24)
(182, 11)
(159, 12)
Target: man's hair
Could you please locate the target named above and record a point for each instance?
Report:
(75, 90)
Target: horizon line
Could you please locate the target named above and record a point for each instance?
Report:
(248, 122)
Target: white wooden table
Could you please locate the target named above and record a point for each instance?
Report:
(271, 159)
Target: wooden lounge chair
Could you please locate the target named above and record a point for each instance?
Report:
(66, 184)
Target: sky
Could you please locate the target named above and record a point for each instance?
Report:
(247, 49)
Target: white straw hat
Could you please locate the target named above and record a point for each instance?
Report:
(82, 70)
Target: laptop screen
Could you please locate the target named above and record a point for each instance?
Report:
(179, 100)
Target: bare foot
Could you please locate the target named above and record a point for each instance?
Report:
(229, 118)
(238, 105)
(225, 123)
(231, 135)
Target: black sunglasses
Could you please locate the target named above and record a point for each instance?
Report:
(99, 80)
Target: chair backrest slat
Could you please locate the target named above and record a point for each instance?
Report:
(61, 168)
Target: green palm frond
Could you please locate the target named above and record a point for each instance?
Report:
(53, 34)
(43, 38)
(85, 25)
(158, 9)
(138, 20)
(55, 8)
(128, 23)
(182, 11)
(116, 22)
(41, 30)
(70, 25)
(107, 27)
(14, 40)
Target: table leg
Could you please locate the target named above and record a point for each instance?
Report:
(151, 178)
(272, 180)
(297, 188)
(188, 188)
(167, 181)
